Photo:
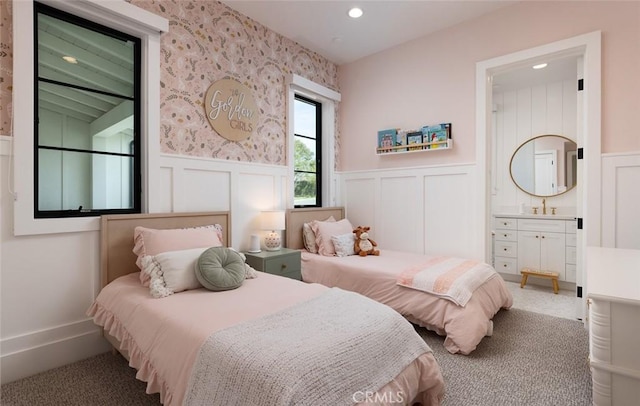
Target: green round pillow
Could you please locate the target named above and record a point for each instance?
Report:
(220, 268)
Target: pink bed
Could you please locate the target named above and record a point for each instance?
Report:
(376, 276)
(161, 337)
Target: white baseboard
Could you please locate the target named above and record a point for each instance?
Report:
(28, 355)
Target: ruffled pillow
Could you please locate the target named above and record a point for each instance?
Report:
(344, 244)
(309, 237)
(149, 241)
(171, 272)
(324, 230)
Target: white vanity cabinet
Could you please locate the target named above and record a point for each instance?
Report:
(505, 251)
(613, 293)
(541, 243)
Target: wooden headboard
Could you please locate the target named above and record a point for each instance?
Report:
(116, 236)
(295, 218)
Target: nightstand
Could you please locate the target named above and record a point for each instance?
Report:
(284, 262)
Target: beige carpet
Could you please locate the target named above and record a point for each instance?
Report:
(541, 299)
(531, 360)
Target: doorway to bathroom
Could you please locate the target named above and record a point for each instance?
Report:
(584, 49)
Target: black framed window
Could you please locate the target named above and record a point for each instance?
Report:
(307, 157)
(87, 143)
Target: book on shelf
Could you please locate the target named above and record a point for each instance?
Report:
(414, 137)
(387, 140)
(401, 141)
(436, 135)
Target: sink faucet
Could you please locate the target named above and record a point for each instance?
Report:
(544, 206)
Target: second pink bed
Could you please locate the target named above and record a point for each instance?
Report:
(376, 277)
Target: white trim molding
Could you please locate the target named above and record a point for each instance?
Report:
(28, 354)
(121, 16)
(620, 196)
(427, 210)
(298, 85)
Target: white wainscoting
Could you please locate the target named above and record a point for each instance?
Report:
(45, 296)
(620, 197)
(201, 184)
(425, 209)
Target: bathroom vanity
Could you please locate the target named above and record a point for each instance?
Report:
(539, 242)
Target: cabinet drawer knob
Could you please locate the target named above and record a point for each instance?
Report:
(284, 266)
(504, 224)
(504, 265)
(505, 235)
(505, 249)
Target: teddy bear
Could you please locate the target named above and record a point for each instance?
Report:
(363, 245)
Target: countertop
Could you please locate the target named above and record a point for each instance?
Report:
(537, 216)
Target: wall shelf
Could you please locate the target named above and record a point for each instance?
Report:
(427, 146)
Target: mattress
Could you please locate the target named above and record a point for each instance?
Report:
(376, 276)
(162, 336)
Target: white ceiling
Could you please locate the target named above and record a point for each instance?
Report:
(324, 26)
(557, 70)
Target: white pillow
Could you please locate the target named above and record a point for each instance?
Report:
(172, 271)
(344, 244)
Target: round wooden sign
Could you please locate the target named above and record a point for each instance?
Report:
(231, 109)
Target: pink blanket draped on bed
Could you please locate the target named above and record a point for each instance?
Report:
(452, 278)
(376, 277)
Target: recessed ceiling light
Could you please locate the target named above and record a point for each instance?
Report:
(540, 66)
(70, 59)
(355, 12)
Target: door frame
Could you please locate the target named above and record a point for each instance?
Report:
(588, 46)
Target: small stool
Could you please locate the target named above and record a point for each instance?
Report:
(526, 272)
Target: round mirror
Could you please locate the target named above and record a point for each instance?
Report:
(545, 165)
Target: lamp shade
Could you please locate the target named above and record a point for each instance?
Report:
(272, 220)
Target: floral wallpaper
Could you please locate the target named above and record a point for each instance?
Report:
(6, 66)
(208, 41)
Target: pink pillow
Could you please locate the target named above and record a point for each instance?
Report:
(325, 230)
(309, 237)
(149, 241)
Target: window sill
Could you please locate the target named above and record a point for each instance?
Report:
(31, 226)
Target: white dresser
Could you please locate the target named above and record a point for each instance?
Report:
(543, 243)
(613, 292)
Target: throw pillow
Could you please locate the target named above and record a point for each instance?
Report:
(149, 241)
(309, 237)
(324, 231)
(344, 244)
(172, 271)
(220, 268)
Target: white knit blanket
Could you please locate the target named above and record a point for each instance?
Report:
(321, 352)
(452, 278)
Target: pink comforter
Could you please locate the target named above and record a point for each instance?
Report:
(163, 336)
(376, 277)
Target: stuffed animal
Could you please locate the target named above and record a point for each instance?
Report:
(364, 245)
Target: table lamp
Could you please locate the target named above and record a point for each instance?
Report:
(274, 221)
